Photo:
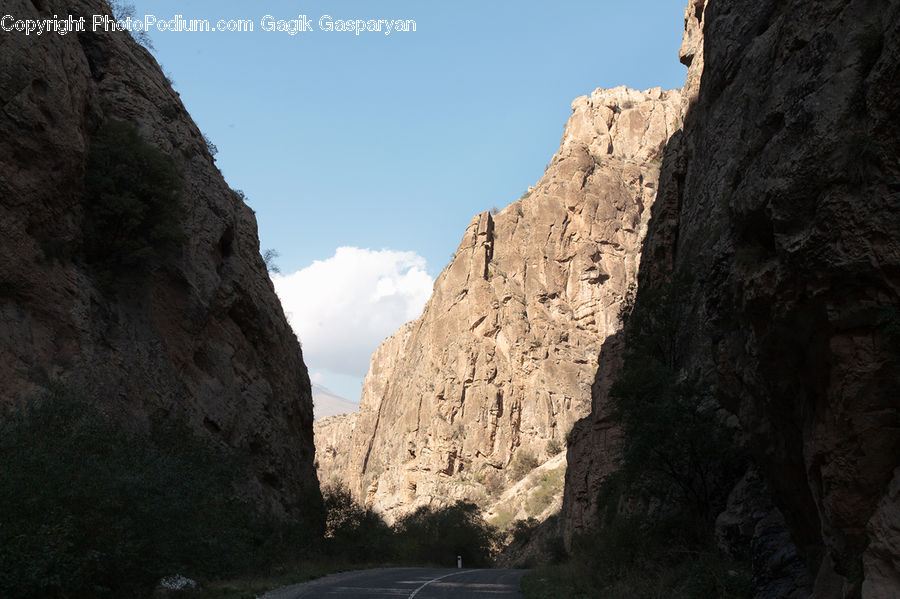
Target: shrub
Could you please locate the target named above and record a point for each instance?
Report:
(522, 464)
(132, 211)
(503, 518)
(438, 535)
(675, 448)
(90, 509)
(636, 558)
(548, 485)
(352, 530)
(492, 481)
(554, 447)
(122, 10)
(212, 148)
(655, 532)
(522, 530)
(269, 256)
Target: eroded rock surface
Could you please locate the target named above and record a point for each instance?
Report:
(501, 362)
(781, 200)
(203, 337)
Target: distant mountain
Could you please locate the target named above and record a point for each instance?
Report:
(327, 403)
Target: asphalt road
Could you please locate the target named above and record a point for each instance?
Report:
(409, 583)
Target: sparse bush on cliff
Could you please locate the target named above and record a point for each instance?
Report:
(269, 257)
(121, 10)
(492, 481)
(676, 450)
(522, 464)
(547, 486)
(554, 447)
(656, 514)
(212, 148)
(132, 212)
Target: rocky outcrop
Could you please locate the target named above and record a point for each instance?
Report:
(594, 443)
(202, 336)
(501, 362)
(333, 434)
(780, 201)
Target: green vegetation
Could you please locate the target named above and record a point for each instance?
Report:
(427, 536)
(503, 518)
(352, 530)
(132, 217)
(630, 560)
(522, 464)
(554, 447)
(547, 486)
(437, 535)
(90, 509)
(269, 256)
(656, 514)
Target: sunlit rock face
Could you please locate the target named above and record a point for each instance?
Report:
(502, 360)
(202, 337)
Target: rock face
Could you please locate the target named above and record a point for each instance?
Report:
(499, 366)
(594, 447)
(333, 434)
(782, 199)
(203, 337)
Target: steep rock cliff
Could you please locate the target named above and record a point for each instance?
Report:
(500, 364)
(202, 336)
(594, 444)
(781, 200)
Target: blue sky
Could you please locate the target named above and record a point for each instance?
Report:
(394, 142)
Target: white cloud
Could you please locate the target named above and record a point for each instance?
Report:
(342, 308)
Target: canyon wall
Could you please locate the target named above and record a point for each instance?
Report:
(487, 383)
(780, 201)
(594, 444)
(201, 335)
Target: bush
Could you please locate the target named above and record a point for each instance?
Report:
(437, 535)
(90, 509)
(637, 558)
(656, 513)
(132, 218)
(352, 530)
(675, 449)
(554, 447)
(522, 464)
(491, 480)
(548, 486)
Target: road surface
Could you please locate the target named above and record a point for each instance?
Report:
(409, 583)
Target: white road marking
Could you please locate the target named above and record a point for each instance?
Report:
(416, 592)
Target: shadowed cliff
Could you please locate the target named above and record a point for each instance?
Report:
(130, 272)
(779, 205)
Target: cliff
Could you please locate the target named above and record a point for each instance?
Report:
(779, 202)
(487, 383)
(174, 316)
